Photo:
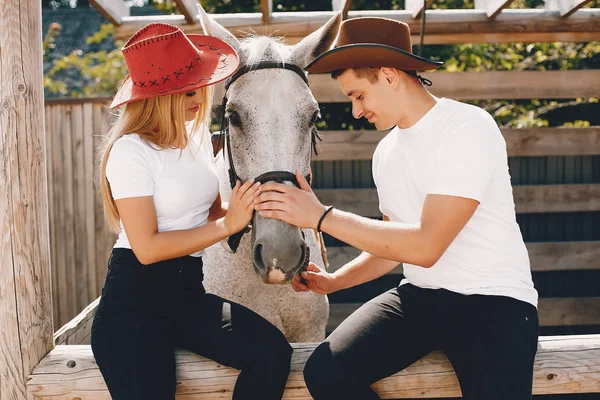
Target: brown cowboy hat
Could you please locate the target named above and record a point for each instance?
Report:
(162, 60)
(371, 42)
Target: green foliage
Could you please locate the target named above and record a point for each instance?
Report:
(95, 73)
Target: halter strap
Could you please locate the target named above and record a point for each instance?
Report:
(265, 65)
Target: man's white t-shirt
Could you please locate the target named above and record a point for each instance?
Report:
(457, 149)
(183, 183)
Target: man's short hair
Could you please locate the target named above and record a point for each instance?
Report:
(370, 73)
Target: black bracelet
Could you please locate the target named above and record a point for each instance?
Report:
(323, 217)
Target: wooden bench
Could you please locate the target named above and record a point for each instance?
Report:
(564, 364)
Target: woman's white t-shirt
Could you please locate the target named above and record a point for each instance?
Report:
(457, 150)
(184, 183)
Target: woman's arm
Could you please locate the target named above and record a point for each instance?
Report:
(139, 220)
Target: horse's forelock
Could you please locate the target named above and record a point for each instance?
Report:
(264, 48)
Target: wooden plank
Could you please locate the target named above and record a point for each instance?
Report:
(566, 8)
(77, 100)
(552, 312)
(360, 145)
(358, 201)
(563, 365)
(88, 201)
(547, 256)
(112, 10)
(557, 198)
(492, 7)
(415, 7)
(443, 26)
(528, 199)
(60, 284)
(560, 256)
(104, 239)
(79, 269)
(78, 329)
(266, 9)
(49, 137)
(569, 311)
(487, 85)
(188, 9)
(552, 141)
(67, 288)
(25, 277)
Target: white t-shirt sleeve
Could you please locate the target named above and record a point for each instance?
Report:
(465, 161)
(129, 169)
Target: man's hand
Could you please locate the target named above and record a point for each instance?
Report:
(298, 207)
(315, 279)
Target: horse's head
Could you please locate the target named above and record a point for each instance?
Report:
(271, 114)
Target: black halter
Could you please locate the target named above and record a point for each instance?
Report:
(278, 176)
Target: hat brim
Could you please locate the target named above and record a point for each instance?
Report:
(369, 55)
(221, 62)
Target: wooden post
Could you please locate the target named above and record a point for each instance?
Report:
(25, 298)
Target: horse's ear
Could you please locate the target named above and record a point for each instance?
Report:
(317, 42)
(213, 28)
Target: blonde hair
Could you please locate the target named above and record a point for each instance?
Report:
(159, 120)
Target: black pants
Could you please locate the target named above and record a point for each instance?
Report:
(491, 342)
(147, 311)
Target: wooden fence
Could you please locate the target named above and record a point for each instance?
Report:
(80, 240)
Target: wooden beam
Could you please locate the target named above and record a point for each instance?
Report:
(494, 85)
(528, 199)
(492, 7)
(443, 26)
(113, 10)
(563, 365)
(266, 9)
(25, 277)
(415, 7)
(556, 198)
(547, 256)
(566, 8)
(552, 312)
(189, 10)
(77, 331)
(360, 145)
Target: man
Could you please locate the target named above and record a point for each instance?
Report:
(444, 189)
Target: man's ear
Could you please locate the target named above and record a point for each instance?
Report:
(391, 75)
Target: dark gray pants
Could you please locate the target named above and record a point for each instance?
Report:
(147, 311)
(490, 341)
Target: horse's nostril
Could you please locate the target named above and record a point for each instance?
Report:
(257, 256)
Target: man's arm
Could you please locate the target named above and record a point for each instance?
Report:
(443, 217)
(364, 268)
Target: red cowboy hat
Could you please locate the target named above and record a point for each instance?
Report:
(162, 60)
(371, 42)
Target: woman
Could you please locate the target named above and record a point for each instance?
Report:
(160, 192)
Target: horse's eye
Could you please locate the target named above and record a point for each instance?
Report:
(234, 118)
(315, 117)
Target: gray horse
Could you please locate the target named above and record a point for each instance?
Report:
(271, 114)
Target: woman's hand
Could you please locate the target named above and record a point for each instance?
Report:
(241, 205)
(298, 207)
(314, 279)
